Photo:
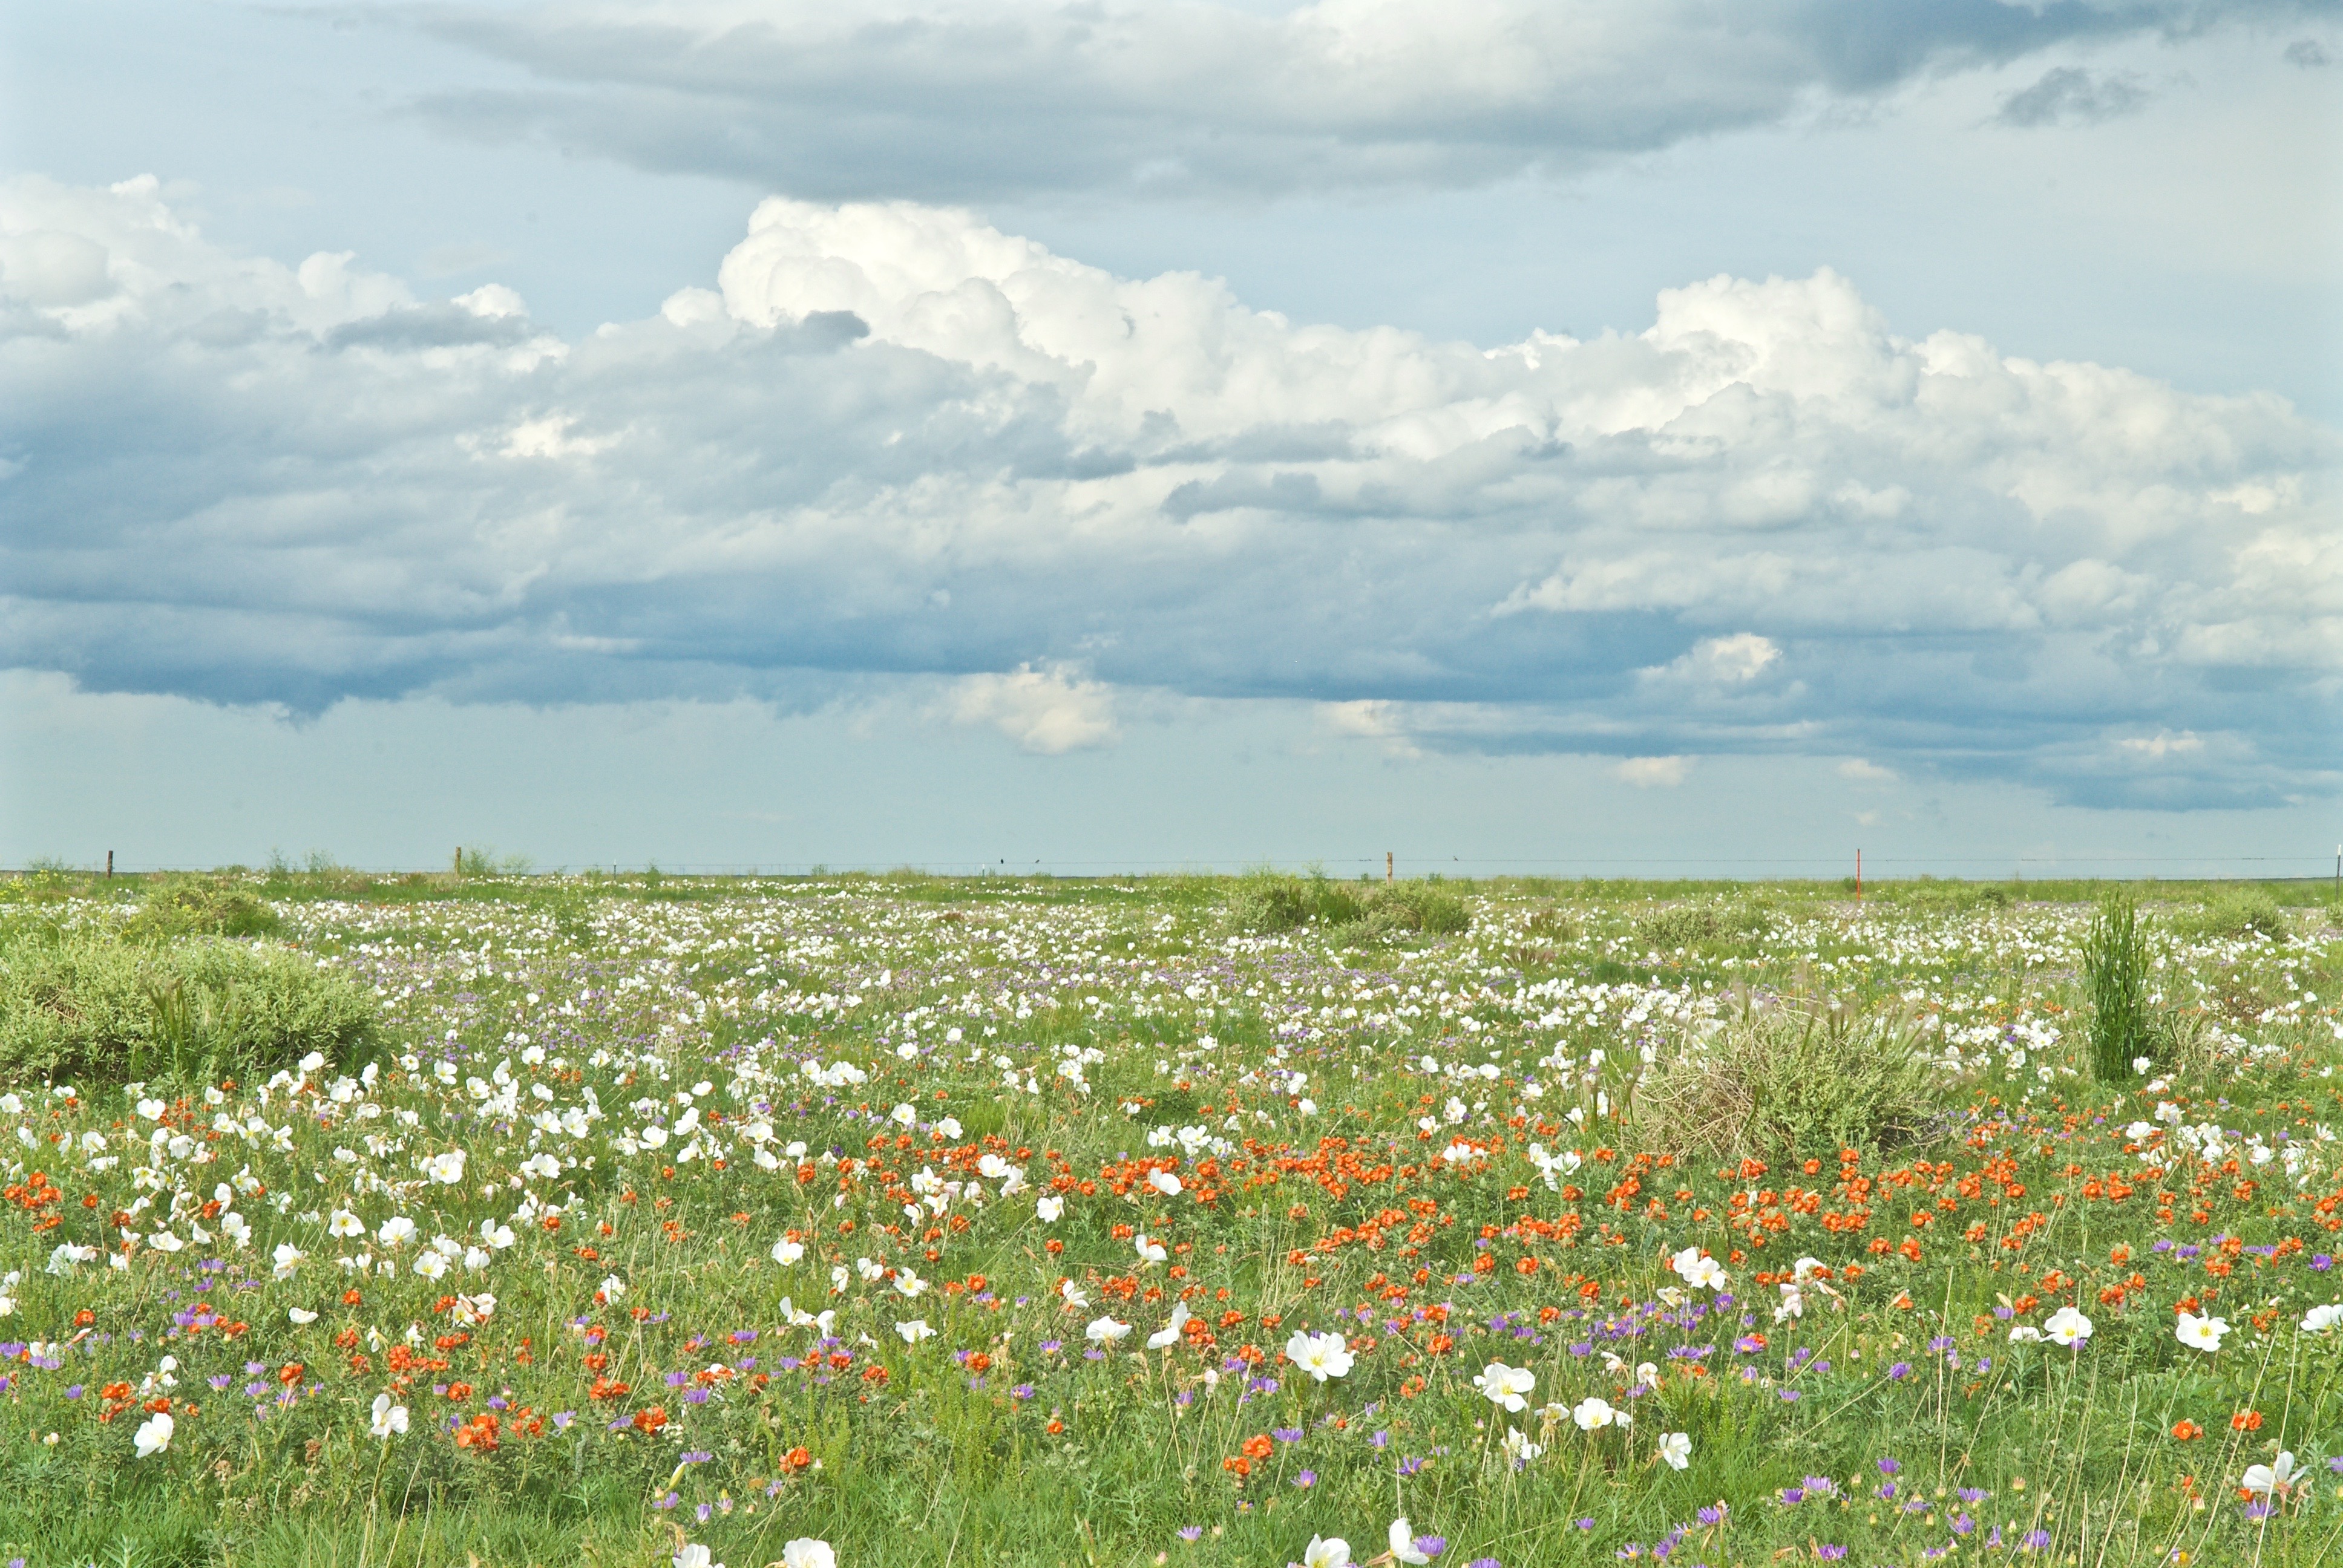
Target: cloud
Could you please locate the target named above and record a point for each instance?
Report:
(1732, 660)
(892, 442)
(945, 102)
(2067, 92)
(2307, 53)
(1652, 772)
(1049, 711)
(2163, 743)
(1867, 772)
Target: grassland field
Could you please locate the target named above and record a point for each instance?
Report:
(1195, 1221)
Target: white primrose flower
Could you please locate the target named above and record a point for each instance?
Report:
(1169, 1334)
(1332, 1552)
(1322, 1356)
(2201, 1333)
(1595, 1412)
(1505, 1387)
(1698, 1271)
(2068, 1327)
(388, 1418)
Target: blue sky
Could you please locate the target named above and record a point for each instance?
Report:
(1589, 436)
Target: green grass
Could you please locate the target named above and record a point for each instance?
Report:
(1182, 1012)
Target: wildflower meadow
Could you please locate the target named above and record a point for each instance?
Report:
(846, 1221)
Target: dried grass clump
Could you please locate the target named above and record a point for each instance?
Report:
(1790, 1077)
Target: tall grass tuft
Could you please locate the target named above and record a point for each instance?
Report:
(1794, 1075)
(2115, 962)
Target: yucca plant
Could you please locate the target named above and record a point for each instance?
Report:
(2114, 973)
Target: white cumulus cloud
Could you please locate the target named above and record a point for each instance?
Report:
(895, 442)
(1652, 772)
(1049, 711)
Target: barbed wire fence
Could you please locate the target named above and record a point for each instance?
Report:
(2286, 867)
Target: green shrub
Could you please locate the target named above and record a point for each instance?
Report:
(2114, 977)
(200, 906)
(1424, 908)
(2236, 913)
(1794, 1075)
(1679, 926)
(1266, 902)
(89, 1009)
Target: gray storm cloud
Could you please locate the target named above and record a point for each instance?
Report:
(892, 441)
(960, 102)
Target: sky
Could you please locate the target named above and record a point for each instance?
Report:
(1566, 437)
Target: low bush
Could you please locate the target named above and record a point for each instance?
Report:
(1424, 908)
(2235, 914)
(1789, 1076)
(82, 1008)
(1679, 926)
(200, 906)
(1267, 902)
